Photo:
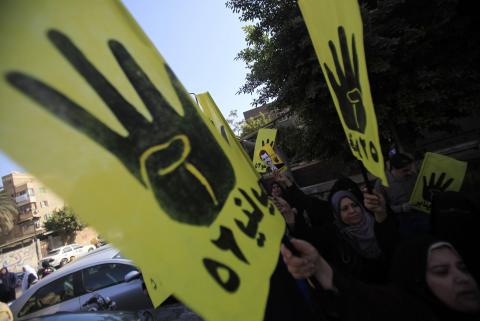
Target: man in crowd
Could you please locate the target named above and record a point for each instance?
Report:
(401, 176)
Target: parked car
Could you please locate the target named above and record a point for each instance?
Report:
(62, 255)
(103, 271)
(94, 316)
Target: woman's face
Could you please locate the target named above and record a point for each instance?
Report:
(350, 212)
(449, 280)
(276, 190)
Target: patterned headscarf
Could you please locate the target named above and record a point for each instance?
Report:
(28, 270)
(362, 235)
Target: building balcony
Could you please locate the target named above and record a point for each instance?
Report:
(22, 217)
(25, 199)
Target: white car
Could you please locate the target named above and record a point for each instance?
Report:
(62, 255)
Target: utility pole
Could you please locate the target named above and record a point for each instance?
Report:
(35, 238)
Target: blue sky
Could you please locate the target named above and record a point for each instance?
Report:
(199, 40)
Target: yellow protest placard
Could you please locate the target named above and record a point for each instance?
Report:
(439, 173)
(89, 106)
(213, 113)
(335, 27)
(264, 156)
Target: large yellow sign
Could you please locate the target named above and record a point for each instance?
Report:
(438, 173)
(89, 107)
(335, 27)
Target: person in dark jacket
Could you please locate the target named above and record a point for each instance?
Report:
(350, 242)
(8, 282)
(430, 282)
(45, 270)
(401, 177)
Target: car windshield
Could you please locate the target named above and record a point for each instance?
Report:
(54, 252)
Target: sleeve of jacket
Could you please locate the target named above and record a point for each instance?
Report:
(355, 300)
(386, 234)
(318, 210)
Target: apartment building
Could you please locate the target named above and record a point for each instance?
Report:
(34, 203)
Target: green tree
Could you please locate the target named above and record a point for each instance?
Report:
(65, 223)
(422, 58)
(8, 212)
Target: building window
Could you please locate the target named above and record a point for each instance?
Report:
(104, 275)
(31, 192)
(42, 189)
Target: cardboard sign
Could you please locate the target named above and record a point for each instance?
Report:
(335, 27)
(89, 107)
(438, 173)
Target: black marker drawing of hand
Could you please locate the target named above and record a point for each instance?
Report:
(174, 156)
(347, 90)
(434, 187)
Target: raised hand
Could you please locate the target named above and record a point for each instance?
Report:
(376, 204)
(287, 211)
(347, 89)
(308, 263)
(282, 179)
(435, 186)
(174, 156)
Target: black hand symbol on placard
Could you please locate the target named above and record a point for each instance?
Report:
(348, 90)
(175, 157)
(267, 142)
(434, 187)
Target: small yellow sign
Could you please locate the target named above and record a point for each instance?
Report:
(438, 173)
(89, 107)
(264, 157)
(336, 30)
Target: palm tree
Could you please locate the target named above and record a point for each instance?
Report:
(8, 212)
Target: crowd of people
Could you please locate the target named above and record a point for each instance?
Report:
(369, 255)
(9, 280)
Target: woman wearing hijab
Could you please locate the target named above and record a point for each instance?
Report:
(8, 281)
(29, 277)
(429, 282)
(349, 243)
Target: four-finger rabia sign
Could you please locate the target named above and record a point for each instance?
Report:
(265, 158)
(438, 173)
(89, 106)
(335, 27)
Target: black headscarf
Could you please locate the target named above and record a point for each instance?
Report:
(456, 218)
(344, 183)
(408, 272)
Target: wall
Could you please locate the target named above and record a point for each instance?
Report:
(85, 236)
(15, 259)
